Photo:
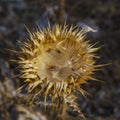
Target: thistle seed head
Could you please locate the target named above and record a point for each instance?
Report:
(56, 61)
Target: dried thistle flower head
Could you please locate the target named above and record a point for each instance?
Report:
(56, 61)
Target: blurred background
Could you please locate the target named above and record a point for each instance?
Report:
(102, 15)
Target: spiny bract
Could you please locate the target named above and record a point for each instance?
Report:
(56, 61)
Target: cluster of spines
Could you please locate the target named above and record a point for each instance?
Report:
(38, 41)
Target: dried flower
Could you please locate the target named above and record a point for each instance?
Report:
(56, 61)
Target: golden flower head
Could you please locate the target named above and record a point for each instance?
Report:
(56, 61)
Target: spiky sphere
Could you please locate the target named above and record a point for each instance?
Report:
(56, 61)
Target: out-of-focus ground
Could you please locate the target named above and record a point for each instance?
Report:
(103, 15)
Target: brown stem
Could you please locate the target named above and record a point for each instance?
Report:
(61, 11)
